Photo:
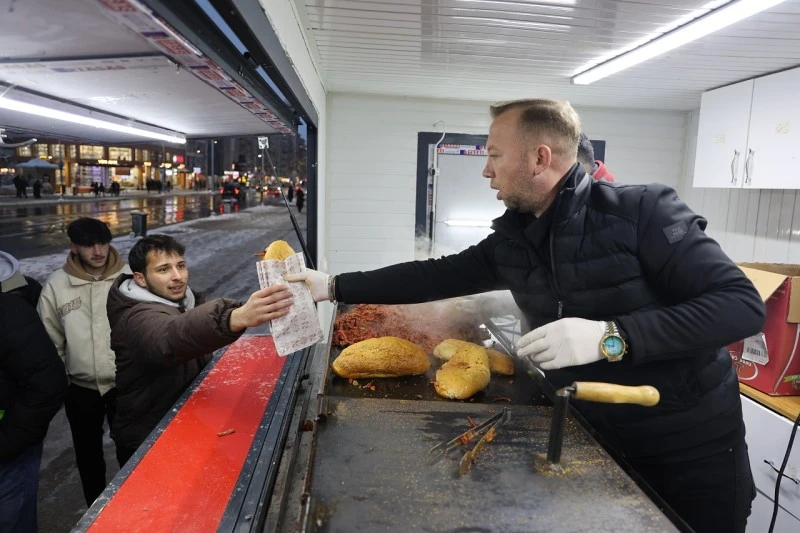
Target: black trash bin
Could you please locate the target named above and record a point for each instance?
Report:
(139, 223)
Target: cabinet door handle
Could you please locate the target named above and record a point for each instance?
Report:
(733, 166)
(790, 478)
(750, 154)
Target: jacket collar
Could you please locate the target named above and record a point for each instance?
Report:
(572, 196)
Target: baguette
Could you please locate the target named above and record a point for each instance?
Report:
(466, 373)
(499, 362)
(383, 357)
(278, 250)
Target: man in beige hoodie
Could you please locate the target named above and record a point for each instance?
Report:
(73, 309)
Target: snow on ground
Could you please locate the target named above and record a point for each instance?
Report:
(219, 249)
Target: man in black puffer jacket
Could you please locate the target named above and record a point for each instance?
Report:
(618, 283)
(32, 386)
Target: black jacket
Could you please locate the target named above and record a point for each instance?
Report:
(32, 377)
(635, 254)
(159, 351)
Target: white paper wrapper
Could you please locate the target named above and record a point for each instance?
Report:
(300, 327)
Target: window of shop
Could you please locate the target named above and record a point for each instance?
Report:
(145, 155)
(40, 150)
(120, 154)
(24, 151)
(92, 152)
(57, 150)
(73, 151)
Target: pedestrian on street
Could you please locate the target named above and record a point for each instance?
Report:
(163, 334)
(290, 194)
(32, 386)
(37, 189)
(617, 284)
(73, 310)
(301, 197)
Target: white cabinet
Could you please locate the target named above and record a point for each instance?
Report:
(767, 438)
(722, 136)
(761, 515)
(773, 147)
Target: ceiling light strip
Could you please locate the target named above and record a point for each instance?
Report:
(33, 109)
(700, 27)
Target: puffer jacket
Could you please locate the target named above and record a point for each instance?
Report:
(73, 310)
(635, 254)
(32, 377)
(160, 350)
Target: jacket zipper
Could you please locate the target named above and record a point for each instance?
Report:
(560, 312)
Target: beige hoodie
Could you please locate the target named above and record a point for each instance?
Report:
(73, 310)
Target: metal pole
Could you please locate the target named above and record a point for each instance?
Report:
(212, 175)
(560, 406)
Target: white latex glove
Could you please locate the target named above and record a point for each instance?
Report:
(565, 342)
(317, 281)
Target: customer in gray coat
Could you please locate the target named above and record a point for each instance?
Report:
(163, 334)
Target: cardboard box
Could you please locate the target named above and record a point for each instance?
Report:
(770, 361)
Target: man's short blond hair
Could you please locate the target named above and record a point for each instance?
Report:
(551, 122)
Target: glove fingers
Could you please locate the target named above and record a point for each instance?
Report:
(525, 340)
(300, 276)
(533, 348)
(545, 356)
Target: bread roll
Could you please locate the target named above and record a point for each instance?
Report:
(466, 373)
(499, 362)
(384, 357)
(278, 250)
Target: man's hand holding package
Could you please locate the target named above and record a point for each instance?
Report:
(263, 305)
(317, 281)
(563, 343)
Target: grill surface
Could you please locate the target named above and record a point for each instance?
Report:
(371, 474)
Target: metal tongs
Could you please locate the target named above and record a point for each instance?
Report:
(487, 428)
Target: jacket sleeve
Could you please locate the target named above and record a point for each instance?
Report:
(469, 272)
(29, 360)
(52, 321)
(710, 302)
(168, 339)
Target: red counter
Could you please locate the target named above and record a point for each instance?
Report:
(185, 480)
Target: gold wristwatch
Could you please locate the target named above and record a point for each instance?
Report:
(612, 345)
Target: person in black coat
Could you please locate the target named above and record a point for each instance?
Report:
(301, 198)
(617, 283)
(32, 387)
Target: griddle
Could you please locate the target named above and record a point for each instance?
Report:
(519, 389)
(371, 474)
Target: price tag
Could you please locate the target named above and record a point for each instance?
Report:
(755, 349)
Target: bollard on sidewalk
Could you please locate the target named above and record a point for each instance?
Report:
(139, 223)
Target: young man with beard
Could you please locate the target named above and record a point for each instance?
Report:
(164, 334)
(72, 306)
(618, 284)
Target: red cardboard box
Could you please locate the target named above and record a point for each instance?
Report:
(770, 361)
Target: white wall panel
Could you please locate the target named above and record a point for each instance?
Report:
(372, 164)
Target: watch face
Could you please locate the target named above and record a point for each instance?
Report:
(614, 346)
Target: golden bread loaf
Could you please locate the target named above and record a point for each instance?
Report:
(278, 250)
(499, 362)
(384, 357)
(466, 373)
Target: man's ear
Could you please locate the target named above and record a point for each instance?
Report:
(138, 277)
(73, 248)
(539, 159)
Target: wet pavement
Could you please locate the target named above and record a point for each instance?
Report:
(30, 230)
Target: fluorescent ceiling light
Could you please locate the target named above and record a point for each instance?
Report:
(720, 18)
(469, 223)
(509, 23)
(32, 109)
